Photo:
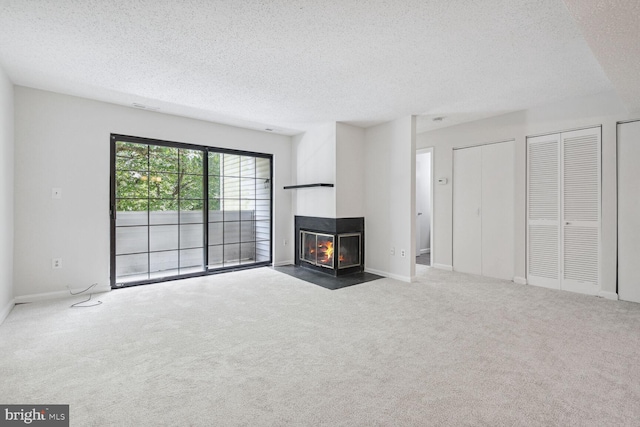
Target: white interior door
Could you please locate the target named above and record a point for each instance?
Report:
(581, 210)
(543, 211)
(497, 210)
(628, 211)
(467, 201)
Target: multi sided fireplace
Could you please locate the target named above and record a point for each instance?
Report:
(330, 245)
(323, 250)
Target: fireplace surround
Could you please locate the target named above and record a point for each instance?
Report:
(332, 246)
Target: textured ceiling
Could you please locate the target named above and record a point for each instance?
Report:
(612, 29)
(284, 64)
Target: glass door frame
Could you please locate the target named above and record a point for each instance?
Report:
(114, 138)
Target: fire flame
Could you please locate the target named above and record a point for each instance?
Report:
(329, 250)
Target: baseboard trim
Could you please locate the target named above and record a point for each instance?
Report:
(58, 294)
(425, 251)
(443, 267)
(389, 275)
(520, 280)
(282, 263)
(6, 310)
(608, 295)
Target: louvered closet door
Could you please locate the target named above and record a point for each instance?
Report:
(581, 210)
(564, 210)
(543, 224)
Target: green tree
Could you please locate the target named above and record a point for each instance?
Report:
(163, 178)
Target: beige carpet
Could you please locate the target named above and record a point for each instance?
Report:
(260, 348)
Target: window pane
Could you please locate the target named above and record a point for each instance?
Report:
(191, 211)
(132, 184)
(163, 159)
(191, 187)
(163, 185)
(163, 211)
(247, 253)
(231, 254)
(132, 164)
(263, 250)
(263, 169)
(230, 165)
(215, 215)
(248, 188)
(132, 212)
(214, 187)
(164, 262)
(248, 208)
(232, 210)
(247, 166)
(263, 230)
(263, 188)
(130, 240)
(192, 259)
(215, 233)
(215, 256)
(247, 231)
(230, 187)
(231, 232)
(191, 236)
(191, 161)
(214, 163)
(131, 150)
(163, 237)
(131, 265)
(263, 209)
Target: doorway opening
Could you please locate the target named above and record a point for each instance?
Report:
(424, 206)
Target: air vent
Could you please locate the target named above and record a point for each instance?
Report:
(145, 107)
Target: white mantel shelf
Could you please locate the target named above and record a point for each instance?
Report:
(293, 187)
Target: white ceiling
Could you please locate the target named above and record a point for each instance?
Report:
(285, 64)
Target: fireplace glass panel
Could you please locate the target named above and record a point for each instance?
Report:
(348, 250)
(308, 247)
(325, 250)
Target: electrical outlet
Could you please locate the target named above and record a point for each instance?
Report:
(56, 263)
(402, 253)
(393, 251)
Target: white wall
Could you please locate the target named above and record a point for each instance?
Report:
(349, 171)
(6, 194)
(390, 198)
(601, 109)
(314, 161)
(423, 201)
(63, 141)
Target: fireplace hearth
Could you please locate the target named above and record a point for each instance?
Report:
(330, 245)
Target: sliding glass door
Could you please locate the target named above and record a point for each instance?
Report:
(239, 210)
(180, 210)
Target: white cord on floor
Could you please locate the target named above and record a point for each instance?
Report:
(78, 304)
